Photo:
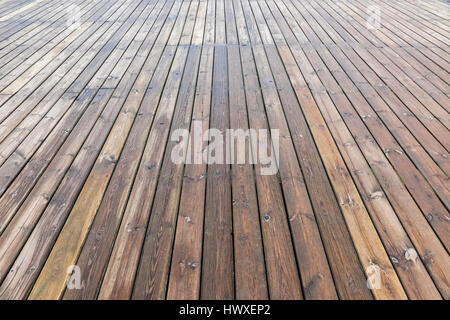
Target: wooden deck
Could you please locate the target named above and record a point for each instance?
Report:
(92, 91)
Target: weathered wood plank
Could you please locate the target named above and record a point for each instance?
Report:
(52, 218)
(185, 271)
(51, 281)
(250, 273)
(364, 235)
(88, 178)
(126, 253)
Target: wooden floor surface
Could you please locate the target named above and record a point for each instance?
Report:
(92, 205)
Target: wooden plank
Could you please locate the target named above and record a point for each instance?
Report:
(366, 38)
(436, 269)
(397, 23)
(106, 223)
(123, 264)
(314, 270)
(420, 92)
(250, 271)
(33, 206)
(157, 250)
(18, 11)
(217, 264)
(185, 271)
(411, 13)
(391, 231)
(12, 199)
(14, 130)
(401, 38)
(411, 176)
(87, 177)
(403, 15)
(30, 28)
(431, 9)
(435, 121)
(51, 282)
(7, 5)
(428, 141)
(16, 56)
(9, 27)
(364, 235)
(41, 84)
(10, 288)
